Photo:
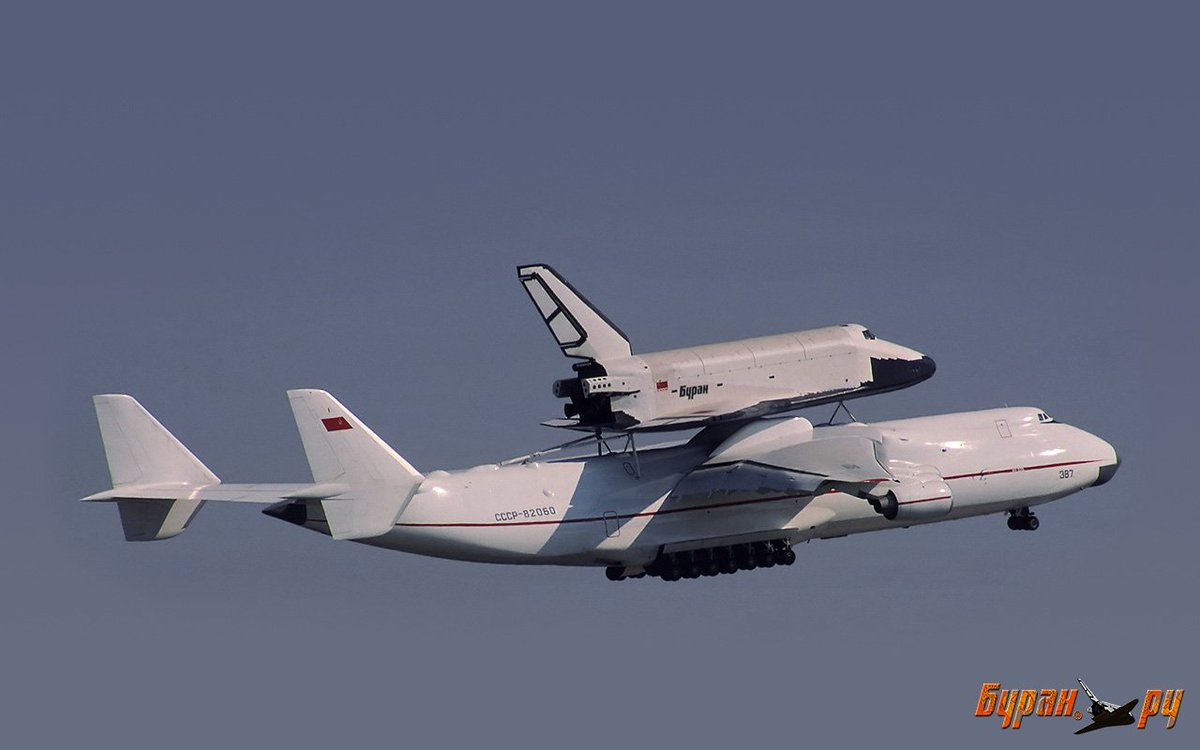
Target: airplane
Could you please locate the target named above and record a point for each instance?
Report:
(1105, 714)
(615, 391)
(733, 497)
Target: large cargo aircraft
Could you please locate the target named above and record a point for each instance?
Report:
(734, 497)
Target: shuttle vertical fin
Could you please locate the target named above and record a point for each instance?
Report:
(580, 329)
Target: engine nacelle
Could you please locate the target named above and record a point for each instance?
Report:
(605, 385)
(911, 500)
(568, 388)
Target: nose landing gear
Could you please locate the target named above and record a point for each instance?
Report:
(1023, 520)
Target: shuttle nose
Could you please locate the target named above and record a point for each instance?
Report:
(891, 373)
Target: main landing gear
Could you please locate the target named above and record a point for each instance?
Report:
(1022, 520)
(712, 561)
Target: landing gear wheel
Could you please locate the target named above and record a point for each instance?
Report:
(615, 572)
(763, 555)
(728, 565)
(787, 557)
(1023, 520)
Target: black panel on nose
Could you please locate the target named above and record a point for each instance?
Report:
(898, 373)
(1107, 472)
(926, 367)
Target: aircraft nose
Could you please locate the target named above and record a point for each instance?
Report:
(1108, 471)
(924, 368)
(889, 372)
(1097, 447)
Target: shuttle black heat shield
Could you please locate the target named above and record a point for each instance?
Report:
(893, 374)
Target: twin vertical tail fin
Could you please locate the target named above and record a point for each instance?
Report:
(141, 453)
(341, 449)
(362, 485)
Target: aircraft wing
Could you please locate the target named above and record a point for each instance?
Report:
(1119, 716)
(797, 471)
(720, 413)
(1127, 708)
(1092, 727)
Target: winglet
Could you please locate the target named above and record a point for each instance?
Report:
(581, 330)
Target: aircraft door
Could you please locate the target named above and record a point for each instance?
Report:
(612, 524)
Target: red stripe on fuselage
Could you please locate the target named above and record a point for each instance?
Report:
(922, 500)
(1025, 468)
(647, 514)
(623, 516)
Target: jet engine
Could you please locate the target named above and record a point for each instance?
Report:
(912, 499)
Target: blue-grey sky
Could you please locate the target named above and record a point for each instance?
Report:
(205, 205)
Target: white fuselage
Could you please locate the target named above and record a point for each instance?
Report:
(750, 377)
(615, 509)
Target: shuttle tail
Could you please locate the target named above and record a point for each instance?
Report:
(581, 330)
(1087, 690)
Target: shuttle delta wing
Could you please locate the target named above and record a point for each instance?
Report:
(1117, 717)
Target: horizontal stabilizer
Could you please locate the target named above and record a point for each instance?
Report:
(255, 494)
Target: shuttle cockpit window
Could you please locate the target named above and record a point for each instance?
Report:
(1044, 418)
(868, 335)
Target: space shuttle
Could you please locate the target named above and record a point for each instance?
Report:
(614, 390)
(1105, 714)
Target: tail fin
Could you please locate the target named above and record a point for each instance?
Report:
(580, 329)
(141, 451)
(340, 448)
(1087, 690)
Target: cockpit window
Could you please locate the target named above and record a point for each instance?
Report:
(1044, 418)
(868, 335)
